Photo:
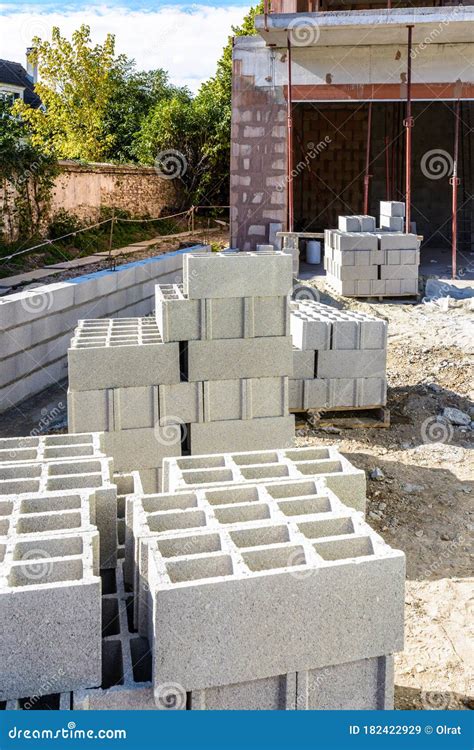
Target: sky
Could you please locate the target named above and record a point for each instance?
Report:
(184, 39)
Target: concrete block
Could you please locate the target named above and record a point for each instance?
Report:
(220, 275)
(355, 241)
(362, 685)
(142, 448)
(393, 223)
(309, 329)
(349, 224)
(269, 694)
(43, 448)
(354, 273)
(390, 241)
(120, 353)
(191, 472)
(273, 229)
(265, 248)
(230, 435)
(352, 363)
(315, 394)
(392, 208)
(371, 392)
(367, 223)
(245, 399)
(399, 272)
(50, 613)
(357, 591)
(136, 407)
(234, 358)
(178, 318)
(90, 410)
(303, 364)
(347, 329)
(295, 388)
(181, 403)
(402, 257)
(49, 477)
(182, 319)
(409, 286)
(126, 668)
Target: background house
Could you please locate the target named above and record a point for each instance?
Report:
(17, 82)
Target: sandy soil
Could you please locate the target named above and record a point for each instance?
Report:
(424, 503)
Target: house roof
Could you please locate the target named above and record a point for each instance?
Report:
(15, 74)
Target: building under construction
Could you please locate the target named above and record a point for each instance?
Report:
(335, 109)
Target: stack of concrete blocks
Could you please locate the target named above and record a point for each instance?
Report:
(294, 601)
(57, 527)
(231, 323)
(115, 370)
(339, 358)
(363, 261)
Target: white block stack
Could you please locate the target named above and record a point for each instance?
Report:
(361, 261)
(265, 594)
(210, 373)
(339, 358)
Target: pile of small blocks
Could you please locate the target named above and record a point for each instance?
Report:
(362, 261)
(58, 527)
(294, 601)
(209, 373)
(339, 358)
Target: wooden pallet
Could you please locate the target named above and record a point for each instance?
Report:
(344, 418)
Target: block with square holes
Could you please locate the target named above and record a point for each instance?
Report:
(50, 610)
(126, 352)
(126, 656)
(339, 475)
(234, 274)
(268, 578)
(318, 326)
(65, 485)
(182, 319)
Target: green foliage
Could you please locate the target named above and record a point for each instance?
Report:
(76, 87)
(26, 178)
(199, 128)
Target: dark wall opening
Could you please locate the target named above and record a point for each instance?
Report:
(330, 143)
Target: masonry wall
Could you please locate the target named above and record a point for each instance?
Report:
(258, 154)
(36, 326)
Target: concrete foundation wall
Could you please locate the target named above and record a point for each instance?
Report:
(36, 326)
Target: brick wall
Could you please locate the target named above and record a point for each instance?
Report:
(258, 159)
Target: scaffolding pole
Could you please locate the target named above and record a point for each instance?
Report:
(367, 176)
(454, 181)
(290, 145)
(408, 123)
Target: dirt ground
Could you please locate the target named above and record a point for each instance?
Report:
(423, 505)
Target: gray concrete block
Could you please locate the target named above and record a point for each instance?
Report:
(273, 228)
(315, 394)
(126, 670)
(309, 329)
(389, 241)
(245, 399)
(367, 223)
(120, 353)
(353, 273)
(234, 358)
(230, 435)
(181, 403)
(142, 448)
(402, 257)
(392, 223)
(399, 272)
(90, 410)
(339, 475)
(220, 275)
(113, 409)
(363, 685)
(392, 208)
(357, 591)
(355, 241)
(269, 694)
(352, 364)
(183, 319)
(303, 364)
(295, 393)
(349, 224)
(50, 614)
(135, 408)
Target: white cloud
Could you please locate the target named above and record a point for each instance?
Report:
(185, 40)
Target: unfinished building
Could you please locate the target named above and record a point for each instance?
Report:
(335, 109)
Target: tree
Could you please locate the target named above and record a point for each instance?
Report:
(199, 129)
(26, 178)
(135, 94)
(76, 87)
